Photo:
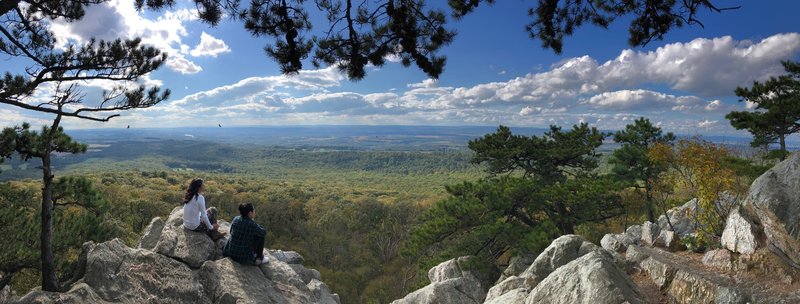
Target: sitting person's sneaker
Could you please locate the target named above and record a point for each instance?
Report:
(264, 260)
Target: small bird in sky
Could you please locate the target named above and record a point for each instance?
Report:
(220, 125)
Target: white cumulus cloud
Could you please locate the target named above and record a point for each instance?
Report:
(210, 46)
(183, 65)
(120, 19)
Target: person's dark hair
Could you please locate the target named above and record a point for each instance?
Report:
(192, 191)
(244, 209)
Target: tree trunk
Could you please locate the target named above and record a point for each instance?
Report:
(563, 223)
(49, 278)
(783, 146)
(651, 215)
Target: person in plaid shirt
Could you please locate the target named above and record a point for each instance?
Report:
(246, 243)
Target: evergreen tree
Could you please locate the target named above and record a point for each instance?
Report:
(538, 187)
(631, 162)
(777, 109)
(25, 36)
(31, 144)
(79, 215)
(550, 157)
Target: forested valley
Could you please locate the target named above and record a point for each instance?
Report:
(371, 221)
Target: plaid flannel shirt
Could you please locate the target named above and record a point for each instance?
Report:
(245, 233)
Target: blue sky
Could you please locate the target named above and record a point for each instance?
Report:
(495, 74)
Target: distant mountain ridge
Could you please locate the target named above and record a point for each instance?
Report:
(368, 137)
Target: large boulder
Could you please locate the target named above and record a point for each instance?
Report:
(635, 255)
(775, 199)
(688, 287)
(592, 279)
(450, 269)
(740, 234)
(230, 282)
(681, 219)
(151, 234)
(118, 273)
(190, 247)
(322, 294)
(450, 283)
(650, 233)
(516, 296)
(669, 240)
(509, 284)
(281, 272)
(617, 242)
(306, 274)
(561, 251)
(78, 294)
(634, 232)
(289, 257)
(460, 290)
(111, 272)
(661, 273)
(516, 265)
(718, 258)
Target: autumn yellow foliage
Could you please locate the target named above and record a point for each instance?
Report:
(700, 166)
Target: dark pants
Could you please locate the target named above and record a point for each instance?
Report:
(212, 217)
(258, 247)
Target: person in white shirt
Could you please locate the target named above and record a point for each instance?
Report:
(195, 215)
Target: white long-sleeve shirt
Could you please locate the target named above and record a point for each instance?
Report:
(195, 210)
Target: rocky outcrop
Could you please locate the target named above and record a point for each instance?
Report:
(561, 251)
(680, 219)
(151, 235)
(604, 268)
(686, 280)
(756, 264)
(450, 283)
(661, 273)
(635, 255)
(650, 233)
(692, 288)
(513, 296)
(190, 247)
(669, 240)
(288, 257)
(740, 234)
(617, 242)
(718, 258)
(122, 274)
(516, 265)
(592, 278)
(111, 272)
(775, 199)
(78, 294)
(231, 282)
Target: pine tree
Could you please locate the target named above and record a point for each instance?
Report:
(25, 36)
(777, 109)
(538, 187)
(631, 162)
(78, 216)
